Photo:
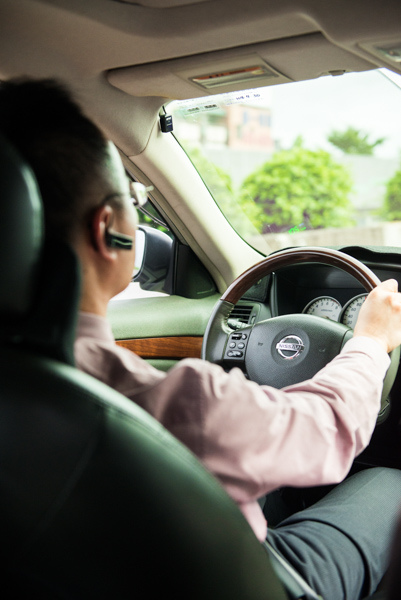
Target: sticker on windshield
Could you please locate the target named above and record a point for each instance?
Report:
(211, 103)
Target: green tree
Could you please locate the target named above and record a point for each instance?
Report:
(392, 199)
(300, 188)
(352, 141)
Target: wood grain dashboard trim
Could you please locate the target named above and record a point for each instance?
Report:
(174, 347)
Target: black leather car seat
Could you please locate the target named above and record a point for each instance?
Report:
(97, 499)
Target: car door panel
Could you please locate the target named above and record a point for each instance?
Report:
(163, 329)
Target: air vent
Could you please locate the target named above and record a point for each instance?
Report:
(241, 316)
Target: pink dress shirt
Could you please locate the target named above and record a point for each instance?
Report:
(253, 438)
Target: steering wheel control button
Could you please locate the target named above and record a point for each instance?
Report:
(236, 346)
(290, 347)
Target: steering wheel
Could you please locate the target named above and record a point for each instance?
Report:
(287, 349)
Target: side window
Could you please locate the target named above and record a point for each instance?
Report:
(148, 216)
(170, 265)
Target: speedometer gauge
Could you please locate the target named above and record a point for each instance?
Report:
(324, 306)
(351, 310)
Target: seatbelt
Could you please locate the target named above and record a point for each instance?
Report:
(295, 586)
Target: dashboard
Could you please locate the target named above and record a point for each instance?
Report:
(326, 291)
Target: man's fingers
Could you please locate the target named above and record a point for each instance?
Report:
(390, 285)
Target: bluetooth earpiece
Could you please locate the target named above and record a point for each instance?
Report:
(118, 240)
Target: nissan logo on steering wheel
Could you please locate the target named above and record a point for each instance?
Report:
(290, 347)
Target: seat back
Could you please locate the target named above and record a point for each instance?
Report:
(97, 499)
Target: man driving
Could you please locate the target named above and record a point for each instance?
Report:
(254, 439)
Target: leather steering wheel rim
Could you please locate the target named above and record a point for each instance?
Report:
(305, 328)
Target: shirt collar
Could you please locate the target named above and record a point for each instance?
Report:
(94, 326)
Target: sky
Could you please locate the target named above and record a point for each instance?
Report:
(367, 101)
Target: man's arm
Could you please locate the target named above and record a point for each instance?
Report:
(258, 438)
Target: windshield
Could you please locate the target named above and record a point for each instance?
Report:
(308, 163)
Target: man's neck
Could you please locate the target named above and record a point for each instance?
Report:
(96, 305)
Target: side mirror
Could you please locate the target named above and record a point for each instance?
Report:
(153, 255)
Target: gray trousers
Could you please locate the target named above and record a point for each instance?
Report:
(340, 545)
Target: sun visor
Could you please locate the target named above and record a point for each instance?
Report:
(197, 76)
(271, 63)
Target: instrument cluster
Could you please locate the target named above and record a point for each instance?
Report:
(330, 308)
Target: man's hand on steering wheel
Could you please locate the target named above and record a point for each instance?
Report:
(380, 315)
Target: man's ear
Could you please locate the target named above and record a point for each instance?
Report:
(101, 220)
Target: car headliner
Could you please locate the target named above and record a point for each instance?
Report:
(142, 47)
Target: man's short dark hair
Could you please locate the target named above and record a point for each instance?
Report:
(65, 149)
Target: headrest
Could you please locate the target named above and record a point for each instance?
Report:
(40, 281)
(21, 238)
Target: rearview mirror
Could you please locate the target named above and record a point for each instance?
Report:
(153, 254)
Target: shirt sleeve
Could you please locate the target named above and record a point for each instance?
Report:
(253, 438)
(257, 438)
